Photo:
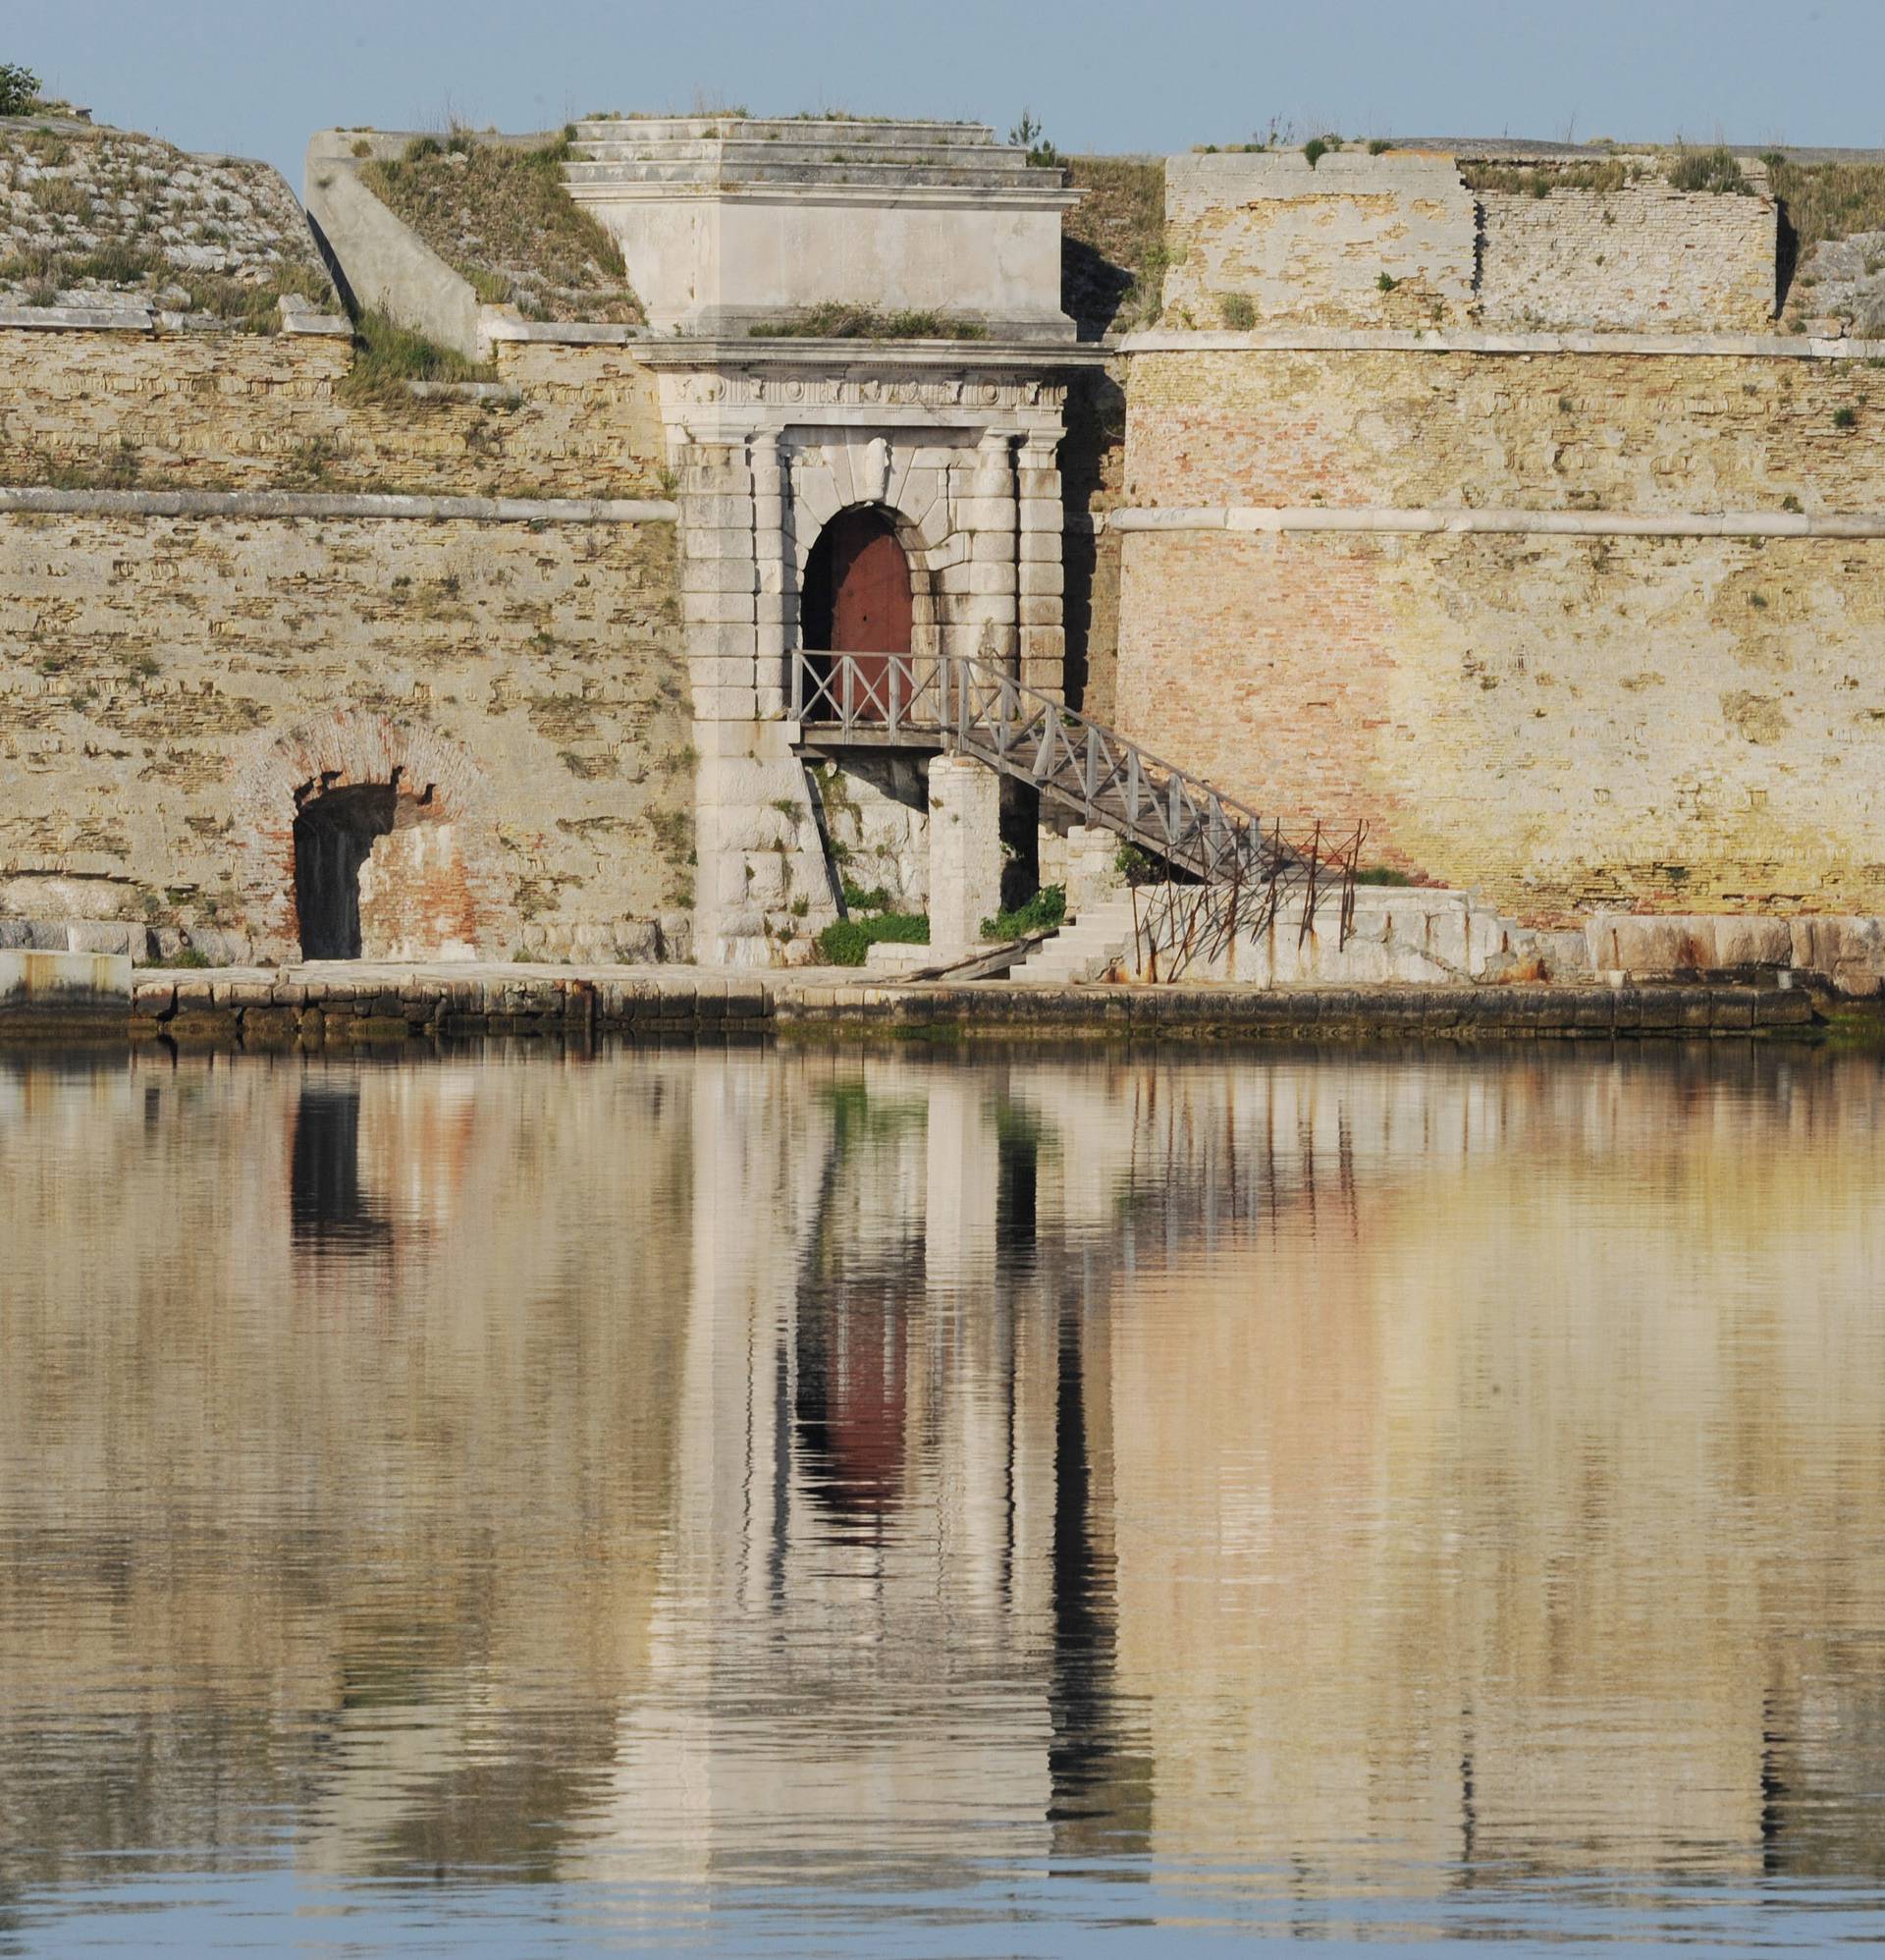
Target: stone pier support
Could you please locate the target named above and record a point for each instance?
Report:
(1040, 573)
(965, 853)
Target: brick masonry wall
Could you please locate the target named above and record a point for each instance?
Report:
(1533, 431)
(1644, 257)
(167, 684)
(231, 411)
(1680, 724)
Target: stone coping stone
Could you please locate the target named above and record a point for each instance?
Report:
(1400, 340)
(338, 504)
(357, 1001)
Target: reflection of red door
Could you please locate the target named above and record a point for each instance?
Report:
(870, 606)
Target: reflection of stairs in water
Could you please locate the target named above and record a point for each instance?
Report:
(1086, 949)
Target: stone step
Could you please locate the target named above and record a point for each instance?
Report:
(1084, 949)
(811, 129)
(742, 151)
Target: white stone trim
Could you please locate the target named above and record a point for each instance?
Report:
(1509, 524)
(1334, 340)
(295, 504)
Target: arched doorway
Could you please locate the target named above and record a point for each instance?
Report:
(334, 835)
(856, 599)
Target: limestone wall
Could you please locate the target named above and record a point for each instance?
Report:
(1301, 243)
(1408, 238)
(170, 682)
(215, 411)
(1678, 722)
(180, 675)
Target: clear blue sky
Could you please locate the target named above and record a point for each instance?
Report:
(256, 78)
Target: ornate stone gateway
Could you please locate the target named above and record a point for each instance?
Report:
(862, 378)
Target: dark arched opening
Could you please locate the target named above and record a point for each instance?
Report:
(334, 835)
(857, 600)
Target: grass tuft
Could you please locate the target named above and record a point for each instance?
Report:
(388, 355)
(841, 320)
(848, 942)
(503, 219)
(1042, 913)
(1713, 170)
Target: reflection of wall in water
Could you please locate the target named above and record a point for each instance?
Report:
(382, 1534)
(1190, 1507)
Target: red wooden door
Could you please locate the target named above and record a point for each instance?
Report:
(870, 609)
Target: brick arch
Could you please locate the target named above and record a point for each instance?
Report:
(469, 905)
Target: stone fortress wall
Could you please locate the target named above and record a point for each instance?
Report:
(1414, 238)
(1507, 524)
(1565, 580)
(225, 585)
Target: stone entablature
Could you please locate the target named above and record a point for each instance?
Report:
(729, 223)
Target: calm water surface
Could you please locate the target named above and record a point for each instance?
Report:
(826, 1503)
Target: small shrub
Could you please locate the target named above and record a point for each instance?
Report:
(1042, 913)
(1239, 311)
(1137, 867)
(1845, 418)
(848, 942)
(1382, 874)
(1386, 282)
(857, 899)
(18, 89)
(1377, 145)
(1314, 150)
(1715, 170)
(1790, 503)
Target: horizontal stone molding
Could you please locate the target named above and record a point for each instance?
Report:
(134, 319)
(1332, 340)
(300, 503)
(1507, 524)
(495, 323)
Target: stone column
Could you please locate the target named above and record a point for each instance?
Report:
(965, 853)
(760, 887)
(982, 586)
(1092, 874)
(775, 602)
(1041, 578)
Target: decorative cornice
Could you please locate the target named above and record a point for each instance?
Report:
(1388, 522)
(854, 357)
(1339, 339)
